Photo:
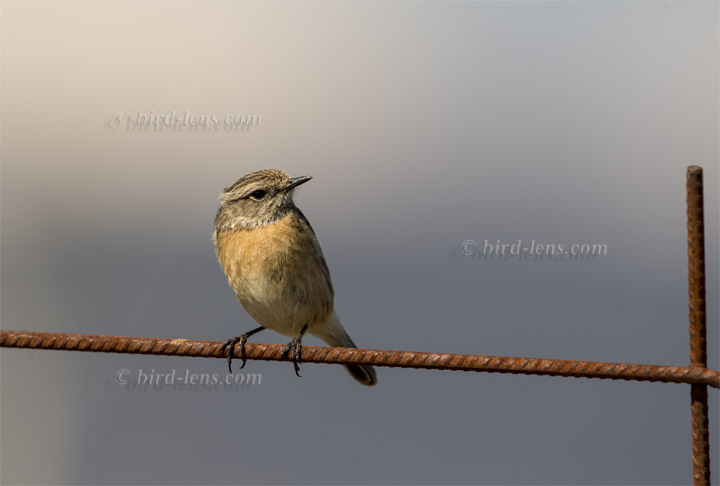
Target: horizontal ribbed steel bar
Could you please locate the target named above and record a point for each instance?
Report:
(398, 359)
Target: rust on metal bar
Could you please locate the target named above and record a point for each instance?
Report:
(397, 359)
(698, 329)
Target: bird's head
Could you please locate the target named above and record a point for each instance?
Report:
(257, 199)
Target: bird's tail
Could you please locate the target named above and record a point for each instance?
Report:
(335, 335)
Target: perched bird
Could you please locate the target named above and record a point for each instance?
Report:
(274, 264)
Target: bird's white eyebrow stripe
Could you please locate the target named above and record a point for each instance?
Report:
(245, 193)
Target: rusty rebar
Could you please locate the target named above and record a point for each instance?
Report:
(397, 359)
(698, 329)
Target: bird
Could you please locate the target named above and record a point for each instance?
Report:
(274, 264)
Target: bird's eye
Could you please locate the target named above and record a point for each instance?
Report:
(258, 195)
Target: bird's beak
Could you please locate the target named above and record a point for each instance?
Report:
(296, 181)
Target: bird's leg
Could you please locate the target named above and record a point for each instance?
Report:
(295, 348)
(229, 345)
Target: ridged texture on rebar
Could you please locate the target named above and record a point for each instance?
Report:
(698, 329)
(400, 359)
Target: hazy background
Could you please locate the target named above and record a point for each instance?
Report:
(423, 124)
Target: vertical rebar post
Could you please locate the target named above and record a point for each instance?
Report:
(698, 331)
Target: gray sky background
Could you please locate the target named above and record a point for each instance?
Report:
(423, 124)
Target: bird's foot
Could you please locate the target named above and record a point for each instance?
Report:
(229, 346)
(294, 347)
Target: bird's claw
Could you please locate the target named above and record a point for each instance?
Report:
(294, 347)
(229, 345)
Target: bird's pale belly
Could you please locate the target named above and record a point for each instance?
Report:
(281, 282)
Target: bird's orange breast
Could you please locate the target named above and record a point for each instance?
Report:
(243, 252)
